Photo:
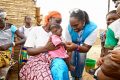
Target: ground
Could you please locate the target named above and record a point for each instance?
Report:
(94, 53)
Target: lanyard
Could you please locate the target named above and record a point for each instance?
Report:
(79, 39)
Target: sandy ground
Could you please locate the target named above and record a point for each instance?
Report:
(94, 53)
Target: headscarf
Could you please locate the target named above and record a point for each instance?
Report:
(52, 14)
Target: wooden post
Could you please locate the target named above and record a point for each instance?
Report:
(108, 5)
(38, 20)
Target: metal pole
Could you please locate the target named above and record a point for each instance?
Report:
(108, 5)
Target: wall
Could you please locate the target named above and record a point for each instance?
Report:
(18, 9)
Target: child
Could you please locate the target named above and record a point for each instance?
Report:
(110, 17)
(55, 38)
(109, 67)
(25, 30)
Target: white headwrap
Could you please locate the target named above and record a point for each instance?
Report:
(3, 14)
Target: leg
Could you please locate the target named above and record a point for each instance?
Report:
(59, 69)
(78, 60)
(67, 60)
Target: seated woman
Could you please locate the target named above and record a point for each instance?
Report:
(39, 63)
(7, 33)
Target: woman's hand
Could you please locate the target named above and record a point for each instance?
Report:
(5, 47)
(70, 46)
(50, 46)
(115, 56)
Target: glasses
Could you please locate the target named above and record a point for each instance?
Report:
(75, 10)
(56, 20)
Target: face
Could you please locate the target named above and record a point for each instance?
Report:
(59, 31)
(28, 20)
(53, 21)
(111, 18)
(2, 22)
(117, 3)
(76, 24)
(118, 10)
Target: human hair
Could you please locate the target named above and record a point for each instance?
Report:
(1, 10)
(80, 15)
(27, 17)
(111, 12)
(86, 18)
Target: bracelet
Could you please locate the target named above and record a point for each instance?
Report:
(13, 43)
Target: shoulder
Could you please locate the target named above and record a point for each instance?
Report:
(91, 25)
(115, 25)
(13, 28)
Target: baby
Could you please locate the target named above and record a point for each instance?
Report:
(55, 38)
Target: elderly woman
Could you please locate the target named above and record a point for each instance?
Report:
(39, 64)
(7, 33)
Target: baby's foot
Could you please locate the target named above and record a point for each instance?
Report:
(71, 67)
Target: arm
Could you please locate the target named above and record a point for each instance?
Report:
(14, 30)
(30, 44)
(84, 48)
(89, 41)
(20, 35)
(35, 51)
(6, 46)
(71, 47)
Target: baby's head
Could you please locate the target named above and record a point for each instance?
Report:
(56, 29)
(111, 17)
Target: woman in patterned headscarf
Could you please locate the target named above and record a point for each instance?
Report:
(7, 33)
(38, 44)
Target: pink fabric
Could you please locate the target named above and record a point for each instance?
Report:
(61, 52)
(37, 68)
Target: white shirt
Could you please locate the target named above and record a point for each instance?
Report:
(89, 40)
(37, 37)
(25, 30)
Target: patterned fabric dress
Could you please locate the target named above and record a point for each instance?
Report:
(37, 68)
(6, 37)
